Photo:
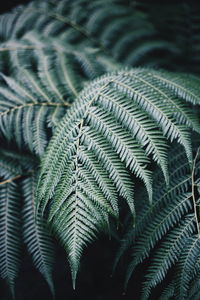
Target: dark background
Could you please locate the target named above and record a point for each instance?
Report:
(5, 6)
(9, 4)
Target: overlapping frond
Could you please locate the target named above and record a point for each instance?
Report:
(40, 87)
(168, 231)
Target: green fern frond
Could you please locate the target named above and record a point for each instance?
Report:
(106, 136)
(168, 253)
(107, 112)
(194, 287)
(167, 230)
(157, 229)
(185, 266)
(40, 88)
(168, 292)
(8, 166)
(10, 234)
(36, 235)
(80, 23)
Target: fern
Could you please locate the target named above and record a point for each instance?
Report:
(174, 224)
(14, 169)
(112, 111)
(10, 235)
(36, 96)
(36, 235)
(80, 22)
(107, 129)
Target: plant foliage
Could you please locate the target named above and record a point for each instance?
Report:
(88, 140)
(168, 231)
(117, 122)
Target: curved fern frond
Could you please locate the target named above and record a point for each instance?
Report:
(23, 115)
(132, 117)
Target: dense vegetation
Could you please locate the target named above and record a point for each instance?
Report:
(99, 131)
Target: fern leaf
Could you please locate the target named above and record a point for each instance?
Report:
(36, 235)
(10, 235)
(165, 220)
(168, 292)
(167, 254)
(105, 113)
(186, 266)
(166, 230)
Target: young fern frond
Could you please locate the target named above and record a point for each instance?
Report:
(134, 117)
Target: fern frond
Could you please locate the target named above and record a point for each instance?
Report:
(119, 128)
(168, 253)
(160, 225)
(107, 113)
(168, 292)
(80, 23)
(166, 231)
(185, 266)
(35, 232)
(41, 86)
(10, 235)
(8, 166)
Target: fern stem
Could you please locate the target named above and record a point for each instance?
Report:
(16, 177)
(74, 25)
(28, 47)
(78, 144)
(193, 193)
(33, 104)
